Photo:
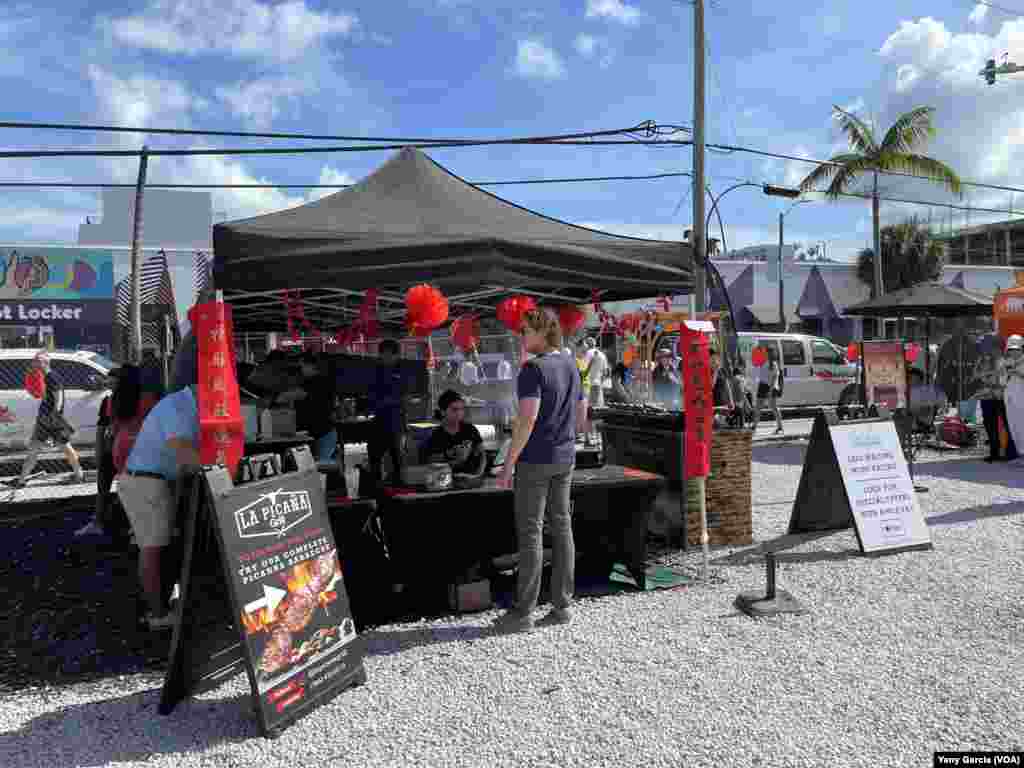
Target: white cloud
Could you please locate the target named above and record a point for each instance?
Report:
(536, 60)
(259, 102)
(616, 10)
(594, 48)
(139, 100)
(248, 28)
(978, 14)
(979, 128)
(329, 175)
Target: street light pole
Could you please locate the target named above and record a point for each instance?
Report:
(782, 292)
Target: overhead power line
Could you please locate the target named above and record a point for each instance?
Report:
(101, 185)
(35, 153)
(647, 127)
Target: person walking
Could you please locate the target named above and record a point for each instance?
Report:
(314, 408)
(50, 425)
(552, 409)
(769, 388)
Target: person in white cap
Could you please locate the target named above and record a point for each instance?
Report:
(1014, 392)
(50, 425)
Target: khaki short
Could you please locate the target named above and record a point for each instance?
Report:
(149, 505)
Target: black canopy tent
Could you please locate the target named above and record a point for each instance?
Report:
(413, 221)
(926, 300)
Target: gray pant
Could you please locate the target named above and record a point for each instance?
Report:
(541, 488)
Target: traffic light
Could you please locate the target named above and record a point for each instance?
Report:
(990, 71)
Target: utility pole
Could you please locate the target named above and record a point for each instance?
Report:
(699, 241)
(782, 296)
(136, 309)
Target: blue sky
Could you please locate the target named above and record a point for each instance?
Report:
(483, 68)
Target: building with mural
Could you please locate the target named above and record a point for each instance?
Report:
(57, 294)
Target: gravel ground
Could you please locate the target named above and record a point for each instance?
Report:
(897, 657)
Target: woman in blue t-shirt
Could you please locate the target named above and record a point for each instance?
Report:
(552, 410)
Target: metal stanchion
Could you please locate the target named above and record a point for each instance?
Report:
(773, 602)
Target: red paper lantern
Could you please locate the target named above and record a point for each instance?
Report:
(571, 318)
(758, 357)
(35, 383)
(910, 353)
(465, 332)
(426, 309)
(511, 310)
(853, 352)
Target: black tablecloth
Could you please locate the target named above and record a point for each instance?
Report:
(434, 537)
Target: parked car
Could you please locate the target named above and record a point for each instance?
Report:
(816, 370)
(86, 382)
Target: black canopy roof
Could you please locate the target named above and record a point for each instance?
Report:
(922, 300)
(413, 221)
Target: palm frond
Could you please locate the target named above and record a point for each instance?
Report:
(824, 172)
(910, 130)
(858, 133)
(921, 165)
(847, 175)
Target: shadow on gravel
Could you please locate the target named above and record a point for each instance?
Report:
(128, 730)
(782, 454)
(755, 554)
(68, 607)
(1006, 509)
(970, 469)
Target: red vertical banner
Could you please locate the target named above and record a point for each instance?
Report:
(696, 382)
(221, 431)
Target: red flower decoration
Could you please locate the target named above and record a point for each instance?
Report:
(758, 357)
(910, 353)
(511, 310)
(571, 318)
(426, 309)
(853, 351)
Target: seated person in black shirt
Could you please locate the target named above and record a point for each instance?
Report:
(455, 442)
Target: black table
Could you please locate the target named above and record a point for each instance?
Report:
(435, 537)
(278, 444)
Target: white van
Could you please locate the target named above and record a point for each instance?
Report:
(86, 379)
(816, 371)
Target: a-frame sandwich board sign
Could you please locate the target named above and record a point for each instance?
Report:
(855, 474)
(262, 592)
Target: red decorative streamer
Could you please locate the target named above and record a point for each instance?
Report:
(221, 430)
(696, 384)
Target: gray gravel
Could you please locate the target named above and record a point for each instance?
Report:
(898, 656)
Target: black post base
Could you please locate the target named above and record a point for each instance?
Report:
(757, 605)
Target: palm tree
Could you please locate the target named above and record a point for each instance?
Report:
(896, 152)
(910, 256)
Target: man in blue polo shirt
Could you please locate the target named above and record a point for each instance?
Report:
(167, 442)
